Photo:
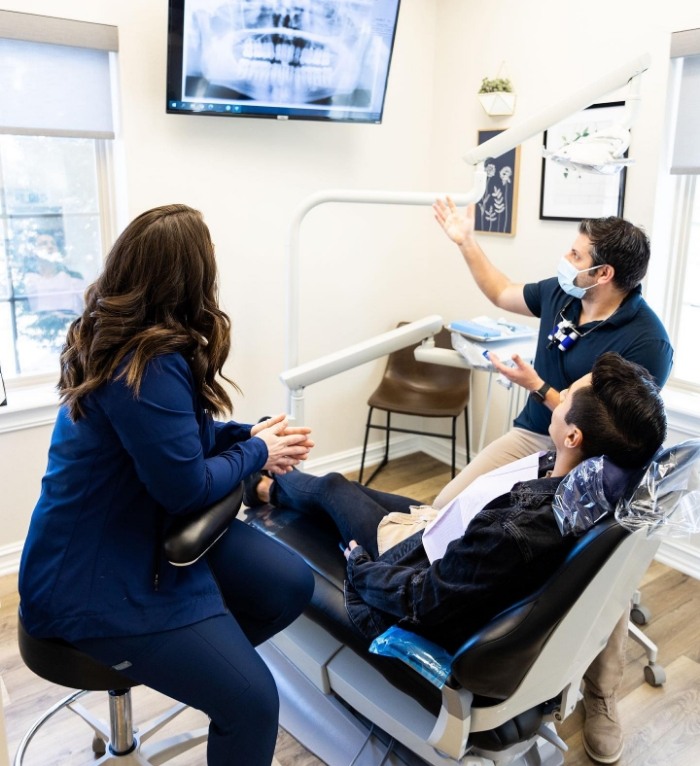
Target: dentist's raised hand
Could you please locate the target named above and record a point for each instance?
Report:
(459, 226)
(286, 445)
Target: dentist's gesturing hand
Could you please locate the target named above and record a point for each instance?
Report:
(458, 226)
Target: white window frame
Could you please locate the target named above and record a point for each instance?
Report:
(684, 187)
(33, 399)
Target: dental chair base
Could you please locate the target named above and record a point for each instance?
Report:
(345, 712)
(509, 683)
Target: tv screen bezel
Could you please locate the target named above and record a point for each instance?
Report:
(249, 107)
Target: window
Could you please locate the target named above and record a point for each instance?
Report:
(55, 199)
(50, 245)
(683, 294)
(678, 214)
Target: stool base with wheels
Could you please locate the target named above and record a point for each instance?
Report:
(115, 741)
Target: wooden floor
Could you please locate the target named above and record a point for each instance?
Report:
(662, 725)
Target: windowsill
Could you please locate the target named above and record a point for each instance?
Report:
(29, 407)
(682, 410)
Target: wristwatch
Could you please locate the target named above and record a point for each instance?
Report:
(541, 393)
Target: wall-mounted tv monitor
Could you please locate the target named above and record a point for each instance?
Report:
(285, 59)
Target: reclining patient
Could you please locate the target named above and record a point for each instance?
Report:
(509, 548)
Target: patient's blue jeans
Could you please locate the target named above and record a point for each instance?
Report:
(355, 509)
(212, 665)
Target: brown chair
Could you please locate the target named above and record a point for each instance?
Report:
(417, 388)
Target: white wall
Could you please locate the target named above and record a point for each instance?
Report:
(363, 269)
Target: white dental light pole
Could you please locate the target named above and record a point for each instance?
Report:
(298, 376)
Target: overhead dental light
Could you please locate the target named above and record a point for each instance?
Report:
(602, 152)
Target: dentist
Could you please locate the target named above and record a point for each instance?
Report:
(593, 305)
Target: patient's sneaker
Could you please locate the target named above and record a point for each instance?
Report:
(250, 490)
(602, 733)
(251, 498)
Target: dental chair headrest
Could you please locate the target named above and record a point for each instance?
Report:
(668, 494)
(591, 491)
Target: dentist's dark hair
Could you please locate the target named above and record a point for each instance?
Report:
(620, 244)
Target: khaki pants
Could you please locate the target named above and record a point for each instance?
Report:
(517, 443)
(395, 527)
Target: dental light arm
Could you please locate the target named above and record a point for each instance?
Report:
(297, 378)
(375, 197)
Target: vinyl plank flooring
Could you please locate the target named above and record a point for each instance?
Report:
(661, 724)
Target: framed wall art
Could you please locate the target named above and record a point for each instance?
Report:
(570, 195)
(496, 211)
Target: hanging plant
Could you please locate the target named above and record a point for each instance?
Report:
(497, 85)
(496, 96)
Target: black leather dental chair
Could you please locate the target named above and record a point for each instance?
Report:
(507, 681)
(508, 684)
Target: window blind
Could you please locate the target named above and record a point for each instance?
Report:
(55, 76)
(685, 49)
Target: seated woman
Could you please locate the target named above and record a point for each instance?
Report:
(509, 548)
(135, 444)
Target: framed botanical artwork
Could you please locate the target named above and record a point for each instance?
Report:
(496, 211)
(571, 195)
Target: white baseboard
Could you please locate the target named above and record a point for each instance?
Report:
(345, 462)
(9, 558)
(680, 555)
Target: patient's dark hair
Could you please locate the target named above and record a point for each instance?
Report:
(621, 414)
(157, 294)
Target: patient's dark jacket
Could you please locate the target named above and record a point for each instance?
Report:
(508, 550)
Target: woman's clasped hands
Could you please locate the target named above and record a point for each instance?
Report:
(287, 445)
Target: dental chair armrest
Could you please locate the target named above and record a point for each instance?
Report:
(191, 536)
(422, 655)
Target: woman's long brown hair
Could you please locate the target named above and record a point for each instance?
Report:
(157, 294)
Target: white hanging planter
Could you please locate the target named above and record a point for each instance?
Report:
(498, 103)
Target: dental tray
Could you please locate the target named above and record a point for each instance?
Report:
(485, 329)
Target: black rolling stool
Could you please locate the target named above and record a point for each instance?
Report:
(60, 663)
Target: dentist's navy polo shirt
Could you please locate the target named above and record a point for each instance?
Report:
(633, 331)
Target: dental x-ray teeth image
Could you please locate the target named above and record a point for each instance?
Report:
(303, 52)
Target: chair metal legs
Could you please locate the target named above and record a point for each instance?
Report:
(388, 428)
(466, 433)
(385, 459)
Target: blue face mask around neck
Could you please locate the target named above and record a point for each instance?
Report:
(567, 273)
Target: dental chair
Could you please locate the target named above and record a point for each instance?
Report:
(507, 685)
